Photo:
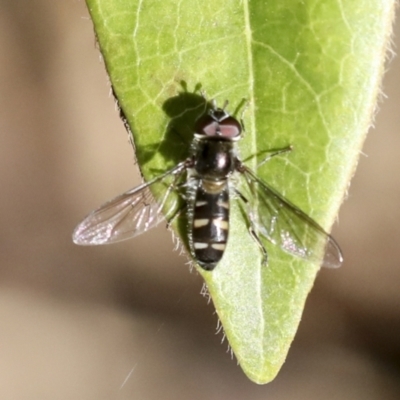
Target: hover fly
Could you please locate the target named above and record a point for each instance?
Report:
(206, 184)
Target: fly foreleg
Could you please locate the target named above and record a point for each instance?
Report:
(275, 153)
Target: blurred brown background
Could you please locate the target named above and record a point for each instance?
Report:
(127, 321)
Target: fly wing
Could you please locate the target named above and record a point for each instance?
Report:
(131, 213)
(286, 226)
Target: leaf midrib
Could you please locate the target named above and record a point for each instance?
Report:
(249, 41)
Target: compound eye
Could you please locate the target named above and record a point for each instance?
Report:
(216, 125)
(207, 126)
(230, 128)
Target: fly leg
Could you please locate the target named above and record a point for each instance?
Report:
(175, 186)
(176, 215)
(271, 153)
(275, 153)
(264, 252)
(183, 190)
(253, 233)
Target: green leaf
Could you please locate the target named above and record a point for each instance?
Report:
(310, 71)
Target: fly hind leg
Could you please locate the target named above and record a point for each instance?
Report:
(264, 252)
(253, 233)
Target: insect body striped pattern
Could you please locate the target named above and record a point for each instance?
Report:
(210, 225)
(207, 175)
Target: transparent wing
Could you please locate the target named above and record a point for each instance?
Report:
(131, 213)
(287, 226)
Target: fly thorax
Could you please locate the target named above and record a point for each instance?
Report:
(214, 159)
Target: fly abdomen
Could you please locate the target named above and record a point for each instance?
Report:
(210, 225)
